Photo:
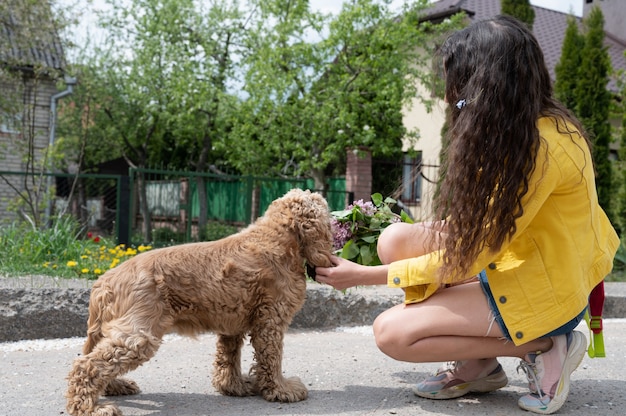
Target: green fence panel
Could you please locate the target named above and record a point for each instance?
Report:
(226, 201)
(271, 189)
(173, 197)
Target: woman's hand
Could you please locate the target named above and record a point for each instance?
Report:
(345, 274)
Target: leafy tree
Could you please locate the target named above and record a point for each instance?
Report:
(620, 112)
(593, 102)
(567, 69)
(265, 86)
(158, 88)
(309, 102)
(520, 9)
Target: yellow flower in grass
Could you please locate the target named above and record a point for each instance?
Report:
(71, 263)
(143, 248)
(97, 271)
(130, 251)
(84, 270)
(83, 257)
(114, 263)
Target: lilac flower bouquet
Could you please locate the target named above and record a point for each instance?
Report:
(357, 228)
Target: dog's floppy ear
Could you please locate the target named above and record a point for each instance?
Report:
(312, 222)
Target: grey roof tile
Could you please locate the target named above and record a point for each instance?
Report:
(28, 38)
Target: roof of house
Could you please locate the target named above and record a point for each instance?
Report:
(28, 38)
(549, 28)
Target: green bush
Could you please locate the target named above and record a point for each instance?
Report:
(216, 230)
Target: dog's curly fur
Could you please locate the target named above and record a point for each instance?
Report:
(251, 283)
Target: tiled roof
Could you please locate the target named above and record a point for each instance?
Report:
(28, 39)
(549, 28)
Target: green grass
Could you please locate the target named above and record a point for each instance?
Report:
(62, 250)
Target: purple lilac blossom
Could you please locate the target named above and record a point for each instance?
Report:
(341, 233)
(342, 229)
(367, 208)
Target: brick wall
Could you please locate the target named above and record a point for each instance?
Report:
(359, 173)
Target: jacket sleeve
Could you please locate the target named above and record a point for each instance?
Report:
(419, 276)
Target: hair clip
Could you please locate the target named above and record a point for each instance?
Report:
(461, 103)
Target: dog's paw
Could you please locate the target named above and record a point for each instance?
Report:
(106, 410)
(240, 386)
(289, 390)
(97, 410)
(121, 387)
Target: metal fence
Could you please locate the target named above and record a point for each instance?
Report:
(150, 206)
(166, 206)
(93, 200)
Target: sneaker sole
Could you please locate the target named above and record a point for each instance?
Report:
(486, 385)
(575, 355)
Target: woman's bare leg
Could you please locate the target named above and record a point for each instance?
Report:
(453, 324)
(402, 241)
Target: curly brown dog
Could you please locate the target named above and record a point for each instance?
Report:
(251, 283)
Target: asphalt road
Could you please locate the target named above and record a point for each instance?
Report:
(345, 372)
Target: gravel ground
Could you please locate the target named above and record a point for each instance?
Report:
(43, 282)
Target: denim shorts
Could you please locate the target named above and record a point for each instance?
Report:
(565, 329)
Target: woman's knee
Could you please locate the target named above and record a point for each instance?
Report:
(392, 242)
(389, 333)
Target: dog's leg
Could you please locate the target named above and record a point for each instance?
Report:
(227, 377)
(93, 373)
(267, 340)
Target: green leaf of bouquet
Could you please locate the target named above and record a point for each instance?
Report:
(405, 217)
(366, 255)
(350, 250)
(357, 214)
(370, 238)
(343, 215)
(390, 201)
(377, 199)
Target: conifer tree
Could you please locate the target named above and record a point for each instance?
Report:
(593, 102)
(520, 9)
(567, 69)
(619, 112)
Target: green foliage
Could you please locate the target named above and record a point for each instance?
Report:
(23, 245)
(568, 67)
(267, 87)
(593, 102)
(312, 101)
(357, 228)
(166, 236)
(620, 112)
(216, 230)
(520, 9)
(60, 250)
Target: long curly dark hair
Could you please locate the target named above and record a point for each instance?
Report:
(497, 87)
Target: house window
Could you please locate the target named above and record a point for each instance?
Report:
(412, 178)
(10, 123)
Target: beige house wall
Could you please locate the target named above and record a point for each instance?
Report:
(429, 125)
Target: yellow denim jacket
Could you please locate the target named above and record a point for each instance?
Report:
(563, 247)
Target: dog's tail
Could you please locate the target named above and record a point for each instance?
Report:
(99, 301)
